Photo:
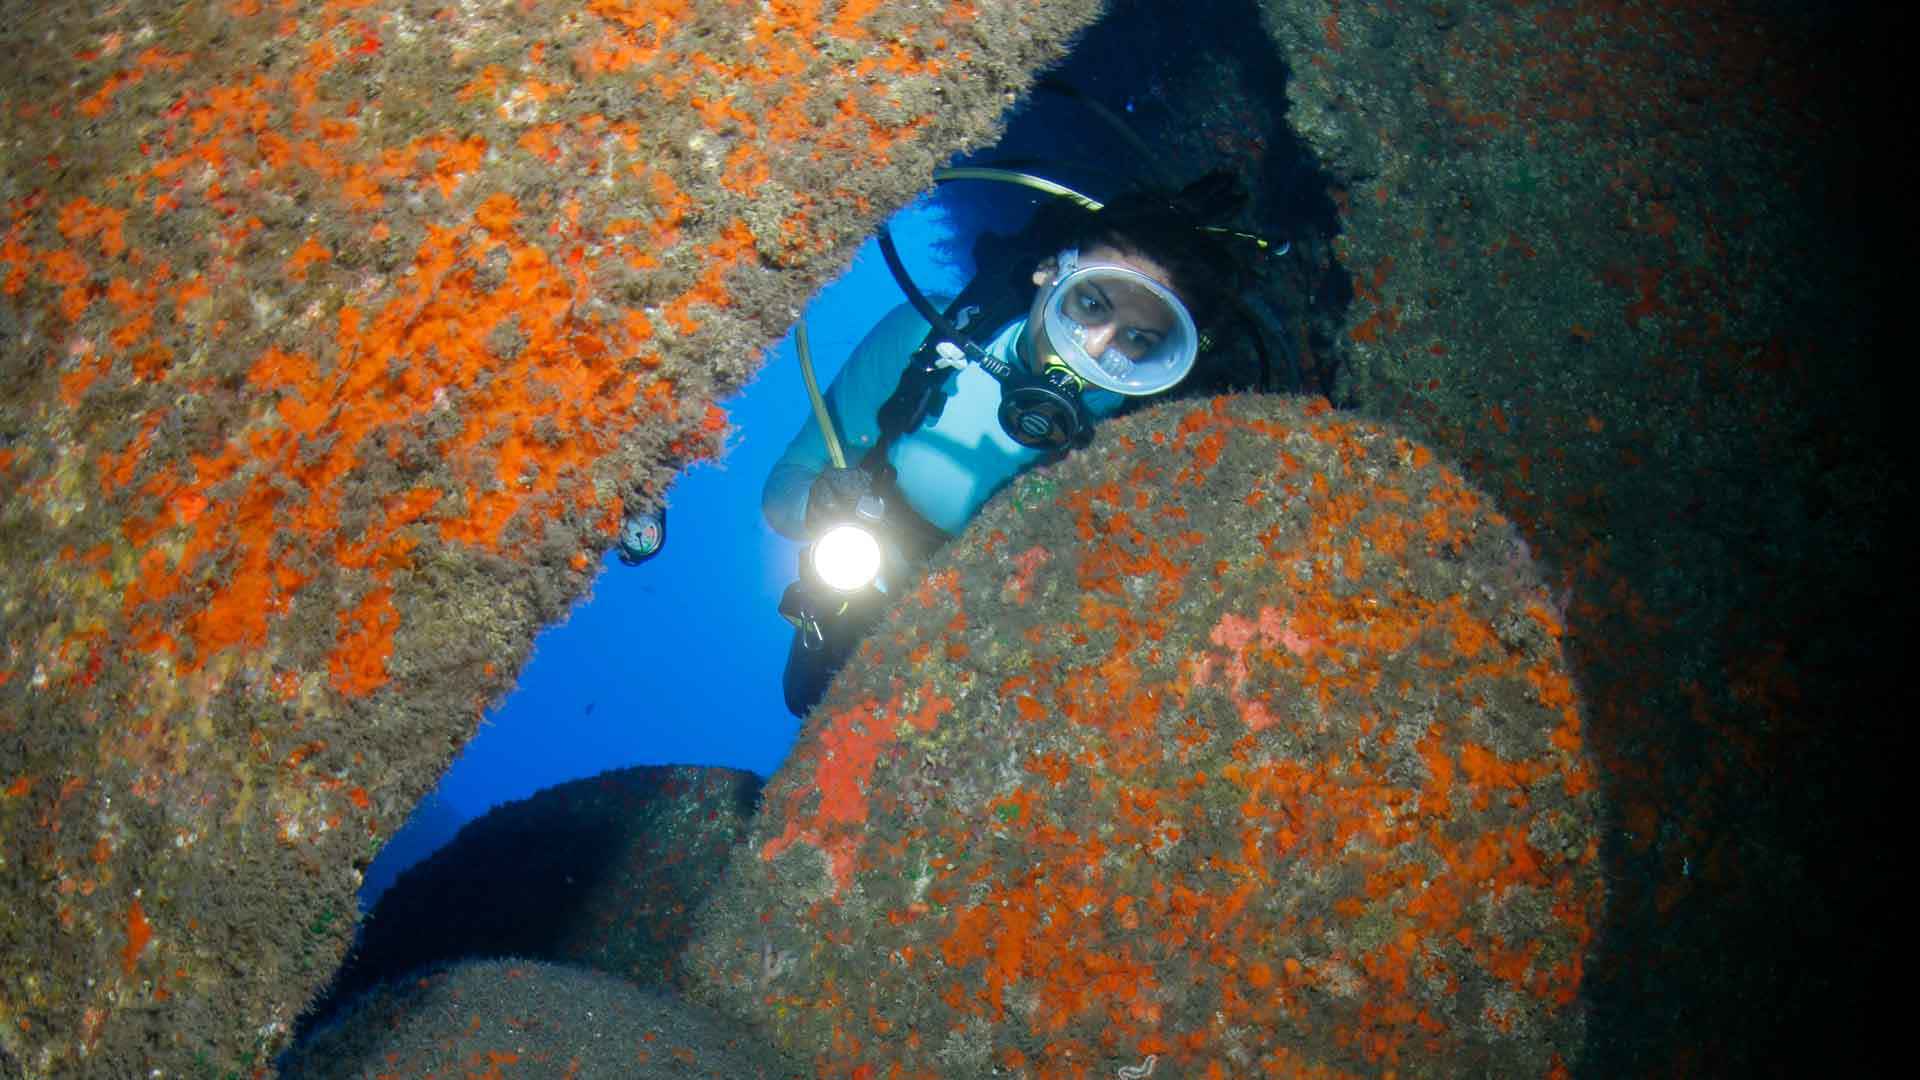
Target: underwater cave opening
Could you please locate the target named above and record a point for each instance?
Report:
(677, 661)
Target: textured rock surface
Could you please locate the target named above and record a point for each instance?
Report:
(516, 1020)
(1241, 743)
(602, 873)
(1613, 257)
(337, 336)
(259, 554)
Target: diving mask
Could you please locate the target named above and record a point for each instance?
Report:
(1117, 328)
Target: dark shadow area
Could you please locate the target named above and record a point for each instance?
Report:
(1746, 930)
(526, 1020)
(603, 872)
(509, 885)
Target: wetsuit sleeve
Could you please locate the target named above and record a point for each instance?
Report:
(853, 401)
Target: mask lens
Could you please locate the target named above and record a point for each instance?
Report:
(1120, 330)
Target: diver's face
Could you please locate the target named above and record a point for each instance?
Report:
(1116, 314)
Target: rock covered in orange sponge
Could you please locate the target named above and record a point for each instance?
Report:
(338, 338)
(1239, 744)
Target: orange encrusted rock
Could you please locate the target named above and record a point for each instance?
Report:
(338, 338)
(1280, 785)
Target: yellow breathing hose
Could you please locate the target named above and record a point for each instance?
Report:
(1038, 183)
(813, 392)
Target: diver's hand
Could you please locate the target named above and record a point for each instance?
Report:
(833, 496)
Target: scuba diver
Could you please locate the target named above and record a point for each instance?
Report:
(934, 412)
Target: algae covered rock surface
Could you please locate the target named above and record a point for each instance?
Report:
(1619, 261)
(520, 1020)
(1241, 741)
(337, 338)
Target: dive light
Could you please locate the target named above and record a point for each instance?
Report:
(840, 571)
(847, 556)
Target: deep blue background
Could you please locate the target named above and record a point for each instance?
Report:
(678, 661)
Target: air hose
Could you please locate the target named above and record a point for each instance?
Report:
(813, 393)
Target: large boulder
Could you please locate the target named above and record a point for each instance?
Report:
(520, 1020)
(1241, 743)
(602, 873)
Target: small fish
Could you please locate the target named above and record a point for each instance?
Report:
(590, 706)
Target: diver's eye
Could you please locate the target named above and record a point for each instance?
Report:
(1088, 305)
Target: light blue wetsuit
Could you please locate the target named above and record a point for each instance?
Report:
(950, 467)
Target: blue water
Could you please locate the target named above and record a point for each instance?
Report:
(677, 661)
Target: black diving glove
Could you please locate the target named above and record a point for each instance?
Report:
(833, 496)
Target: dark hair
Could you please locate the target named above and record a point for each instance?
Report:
(1182, 230)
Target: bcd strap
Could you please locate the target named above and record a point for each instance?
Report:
(919, 397)
(989, 302)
